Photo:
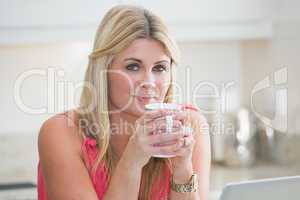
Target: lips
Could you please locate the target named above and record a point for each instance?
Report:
(146, 96)
(146, 99)
(149, 95)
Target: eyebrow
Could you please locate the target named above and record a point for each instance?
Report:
(140, 61)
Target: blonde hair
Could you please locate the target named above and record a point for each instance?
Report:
(119, 28)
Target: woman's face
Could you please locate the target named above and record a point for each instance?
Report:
(139, 75)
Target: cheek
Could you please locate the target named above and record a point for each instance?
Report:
(119, 87)
(163, 86)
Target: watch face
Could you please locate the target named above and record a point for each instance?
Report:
(191, 186)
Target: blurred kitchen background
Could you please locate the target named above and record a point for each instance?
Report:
(240, 66)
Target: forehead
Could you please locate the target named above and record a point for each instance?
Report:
(147, 50)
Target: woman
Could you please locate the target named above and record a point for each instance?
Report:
(105, 148)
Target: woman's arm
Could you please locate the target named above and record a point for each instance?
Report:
(125, 181)
(66, 177)
(201, 161)
(202, 155)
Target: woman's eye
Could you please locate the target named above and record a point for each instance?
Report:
(160, 68)
(132, 67)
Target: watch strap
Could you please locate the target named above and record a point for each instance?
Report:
(191, 186)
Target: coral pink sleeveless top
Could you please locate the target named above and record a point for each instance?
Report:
(100, 179)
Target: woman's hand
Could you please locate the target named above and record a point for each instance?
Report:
(150, 137)
(196, 124)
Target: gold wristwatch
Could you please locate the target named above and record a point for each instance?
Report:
(190, 186)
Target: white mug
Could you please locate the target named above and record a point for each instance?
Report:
(169, 118)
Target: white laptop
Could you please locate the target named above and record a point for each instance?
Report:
(265, 189)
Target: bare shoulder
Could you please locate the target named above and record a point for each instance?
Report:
(60, 156)
(60, 131)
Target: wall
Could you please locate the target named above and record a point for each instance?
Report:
(262, 59)
(17, 59)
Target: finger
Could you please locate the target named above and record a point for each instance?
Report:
(161, 124)
(180, 152)
(168, 149)
(187, 130)
(187, 141)
(153, 114)
(181, 131)
(182, 116)
(163, 138)
(187, 146)
(167, 143)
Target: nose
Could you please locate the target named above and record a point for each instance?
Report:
(148, 81)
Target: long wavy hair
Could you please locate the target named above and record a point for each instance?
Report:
(120, 26)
